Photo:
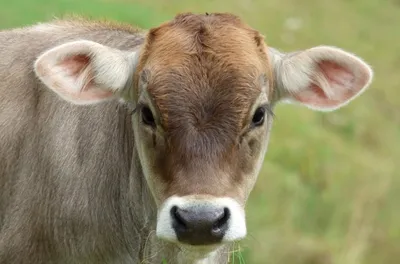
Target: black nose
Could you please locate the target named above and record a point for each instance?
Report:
(200, 225)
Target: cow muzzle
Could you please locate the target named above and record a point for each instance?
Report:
(201, 221)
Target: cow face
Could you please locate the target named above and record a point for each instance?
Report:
(204, 87)
(203, 92)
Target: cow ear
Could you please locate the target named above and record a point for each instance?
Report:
(322, 78)
(85, 72)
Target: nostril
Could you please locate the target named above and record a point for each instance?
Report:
(221, 224)
(180, 222)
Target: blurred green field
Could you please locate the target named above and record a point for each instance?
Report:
(329, 191)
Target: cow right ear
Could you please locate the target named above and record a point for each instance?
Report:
(322, 78)
(85, 72)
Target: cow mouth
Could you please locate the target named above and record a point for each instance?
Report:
(201, 224)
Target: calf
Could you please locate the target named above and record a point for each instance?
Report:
(125, 146)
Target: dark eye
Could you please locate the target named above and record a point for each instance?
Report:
(147, 116)
(258, 117)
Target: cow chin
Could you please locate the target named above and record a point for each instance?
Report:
(201, 222)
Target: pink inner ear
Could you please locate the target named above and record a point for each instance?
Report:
(337, 75)
(76, 67)
(75, 64)
(342, 86)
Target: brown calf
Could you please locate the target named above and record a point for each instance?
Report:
(122, 146)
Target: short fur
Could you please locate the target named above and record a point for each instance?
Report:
(82, 184)
(71, 189)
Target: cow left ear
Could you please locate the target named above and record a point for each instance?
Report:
(322, 78)
(85, 72)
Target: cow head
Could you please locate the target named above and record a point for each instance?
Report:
(204, 88)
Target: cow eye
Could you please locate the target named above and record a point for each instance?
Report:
(258, 117)
(147, 116)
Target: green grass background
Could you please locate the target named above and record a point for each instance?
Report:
(329, 191)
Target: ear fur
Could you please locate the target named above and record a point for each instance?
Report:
(322, 78)
(85, 72)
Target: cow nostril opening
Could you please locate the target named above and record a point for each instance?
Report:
(177, 217)
(221, 224)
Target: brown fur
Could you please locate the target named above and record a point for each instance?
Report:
(211, 65)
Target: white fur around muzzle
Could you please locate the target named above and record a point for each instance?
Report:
(236, 223)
